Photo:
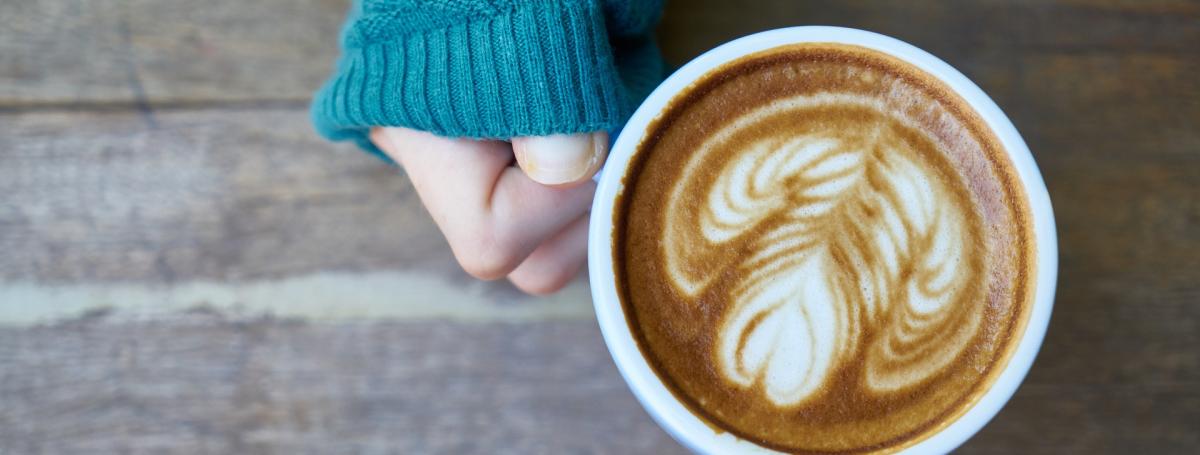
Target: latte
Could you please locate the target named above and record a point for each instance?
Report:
(820, 248)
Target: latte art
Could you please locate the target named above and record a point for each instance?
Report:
(864, 239)
(821, 249)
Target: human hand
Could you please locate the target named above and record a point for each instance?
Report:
(527, 222)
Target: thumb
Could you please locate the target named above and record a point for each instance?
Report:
(561, 159)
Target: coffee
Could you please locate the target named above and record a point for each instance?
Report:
(821, 248)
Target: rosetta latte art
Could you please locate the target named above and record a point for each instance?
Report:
(847, 244)
(820, 248)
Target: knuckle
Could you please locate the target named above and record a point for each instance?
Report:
(484, 255)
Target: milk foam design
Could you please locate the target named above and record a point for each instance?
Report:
(858, 252)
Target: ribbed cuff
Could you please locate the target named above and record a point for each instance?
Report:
(540, 69)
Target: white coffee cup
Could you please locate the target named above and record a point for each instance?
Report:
(646, 385)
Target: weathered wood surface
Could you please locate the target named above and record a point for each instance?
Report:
(72, 53)
(224, 206)
(206, 384)
(199, 194)
(158, 144)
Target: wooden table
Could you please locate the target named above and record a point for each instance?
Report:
(186, 268)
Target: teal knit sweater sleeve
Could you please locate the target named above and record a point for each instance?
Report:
(489, 68)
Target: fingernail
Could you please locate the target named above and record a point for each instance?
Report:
(561, 158)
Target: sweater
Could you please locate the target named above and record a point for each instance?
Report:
(489, 69)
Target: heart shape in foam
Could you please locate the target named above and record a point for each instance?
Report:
(856, 244)
(661, 400)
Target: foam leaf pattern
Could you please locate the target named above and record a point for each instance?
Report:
(855, 251)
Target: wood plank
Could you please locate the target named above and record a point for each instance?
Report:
(199, 194)
(226, 207)
(1080, 418)
(71, 52)
(66, 52)
(959, 33)
(207, 382)
(203, 383)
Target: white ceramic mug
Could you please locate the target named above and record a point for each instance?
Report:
(646, 385)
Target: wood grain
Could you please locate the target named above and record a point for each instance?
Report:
(979, 31)
(204, 382)
(117, 52)
(201, 383)
(200, 194)
(154, 143)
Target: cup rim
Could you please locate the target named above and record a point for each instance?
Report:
(658, 401)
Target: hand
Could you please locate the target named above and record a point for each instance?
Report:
(527, 223)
